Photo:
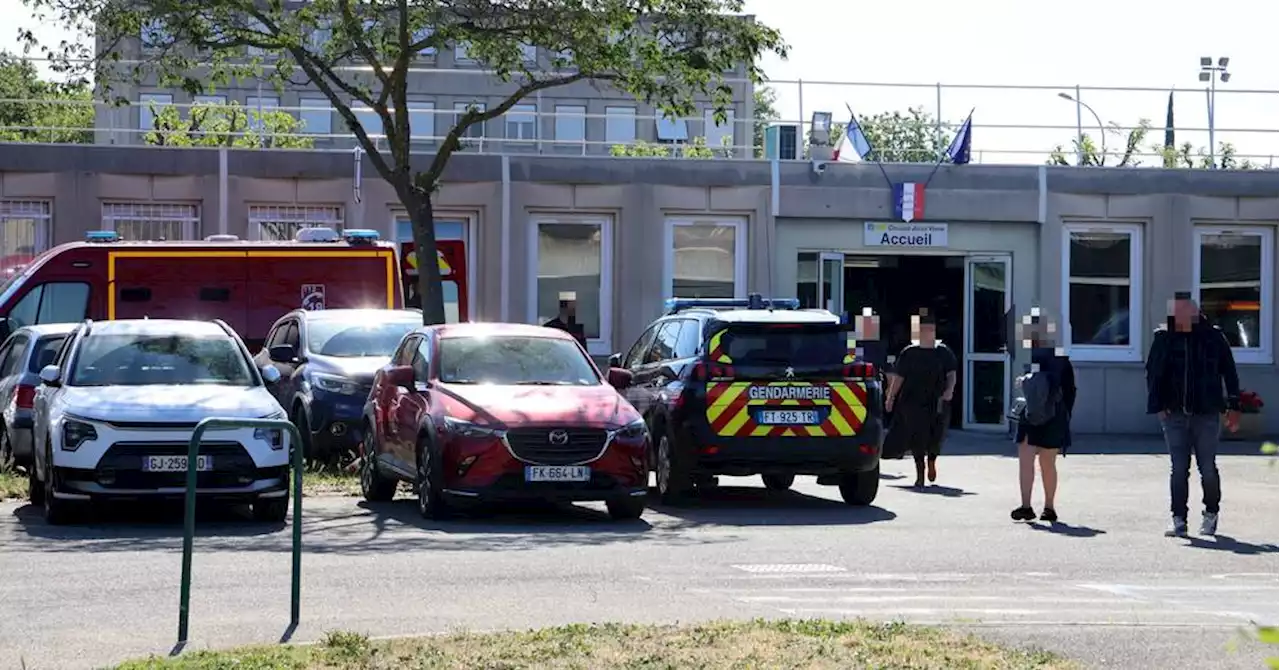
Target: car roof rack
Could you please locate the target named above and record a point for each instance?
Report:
(752, 301)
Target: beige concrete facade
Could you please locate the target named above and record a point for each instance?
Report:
(1021, 213)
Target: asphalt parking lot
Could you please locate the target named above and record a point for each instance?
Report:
(1103, 586)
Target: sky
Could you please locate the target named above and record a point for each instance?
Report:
(1057, 45)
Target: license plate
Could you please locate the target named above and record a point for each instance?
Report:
(557, 473)
(788, 417)
(175, 463)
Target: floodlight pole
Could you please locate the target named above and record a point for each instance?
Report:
(1214, 72)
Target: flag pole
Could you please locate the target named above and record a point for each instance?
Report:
(875, 151)
(944, 151)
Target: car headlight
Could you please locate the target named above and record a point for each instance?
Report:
(460, 428)
(272, 436)
(334, 384)
(634, 430)
(75, 433)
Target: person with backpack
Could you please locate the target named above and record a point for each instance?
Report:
(1043, 416)
(1189, 366)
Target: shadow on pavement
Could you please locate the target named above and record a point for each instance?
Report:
(1066, 530)
(151, 520)
(751, 506)
(935, 490)
(1231, 544)
(974, 443)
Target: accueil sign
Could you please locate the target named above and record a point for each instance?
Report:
(904, 235)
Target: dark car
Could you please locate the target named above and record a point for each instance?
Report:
(494, 412)
(327, 359)
(22, 356)
(745, 387)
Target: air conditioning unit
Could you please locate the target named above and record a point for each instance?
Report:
(781, 141)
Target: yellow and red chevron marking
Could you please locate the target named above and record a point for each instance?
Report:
(715, 352)
(730, 410)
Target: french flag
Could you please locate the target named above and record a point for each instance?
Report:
(854, 146)
(908, 201)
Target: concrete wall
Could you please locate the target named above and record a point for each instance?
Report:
(1016, 209)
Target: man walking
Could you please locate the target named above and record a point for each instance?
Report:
(1189, 364)
(920, 389)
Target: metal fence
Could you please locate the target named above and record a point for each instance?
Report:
(1011, 123)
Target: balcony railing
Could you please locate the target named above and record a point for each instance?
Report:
(1011, 124)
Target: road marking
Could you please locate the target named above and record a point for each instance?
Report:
(849, 576)
(934, 597)
(789, 568)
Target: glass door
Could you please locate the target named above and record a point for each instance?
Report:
(831, 282)
(986, 342)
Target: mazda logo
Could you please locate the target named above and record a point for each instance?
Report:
(558, 437)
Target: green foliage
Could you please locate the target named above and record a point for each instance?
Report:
(896, 137)
(226, 126)
(764, 110)
(666, 52)
(697, 148)
(1086, 151)
(48, 111)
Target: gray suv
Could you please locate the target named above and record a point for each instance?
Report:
(22, 356)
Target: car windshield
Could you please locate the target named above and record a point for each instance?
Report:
(785, 344)
(515, 360)
(344, 339)
(137, 359)
(45, 351)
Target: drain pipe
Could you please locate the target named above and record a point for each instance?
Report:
(504, 294)
(222, 191)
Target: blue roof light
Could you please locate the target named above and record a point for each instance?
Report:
(102, 236)
(361, 235)
(754, 301)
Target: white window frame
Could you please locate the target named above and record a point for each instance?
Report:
(571, 118)
(599, 346)
(521, 116)
(187, 214)
(145, 102)
(738, 223)
(721, 131)
(1265, 353)
(617, 114)
(311, 216)
(316, 109)
(37, 213)
(468, 238)
(1137, 305)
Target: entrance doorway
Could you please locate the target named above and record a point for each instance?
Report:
(968, 296)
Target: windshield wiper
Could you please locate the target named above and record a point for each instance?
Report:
(543, 383)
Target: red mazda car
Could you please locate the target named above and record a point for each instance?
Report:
(487, 412)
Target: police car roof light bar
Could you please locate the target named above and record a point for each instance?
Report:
(102, 236)
(754, 301)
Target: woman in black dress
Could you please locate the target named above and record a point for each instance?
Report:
(1043, 443)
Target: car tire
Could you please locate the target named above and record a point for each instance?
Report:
(860, 488)
(778, 482)
(300, 422)
(57, 512)
(35, 487)
(429, 482)
(673, 475)
(625, 509)
(271, 510)
(7, 460)
(374, 485)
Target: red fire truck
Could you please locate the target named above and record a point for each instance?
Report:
(451, 259)
(248, 284)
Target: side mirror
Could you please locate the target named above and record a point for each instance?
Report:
(615, 361)
(282, 353)
(270, 374)
(619, 378)
(51, 375)
(401, 375)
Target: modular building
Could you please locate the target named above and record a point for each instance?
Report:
(1099, 251)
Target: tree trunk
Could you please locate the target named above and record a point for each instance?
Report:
(430, 289)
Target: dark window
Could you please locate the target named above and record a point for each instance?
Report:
(135, 295)
(12, 355)
(344, 338)
(514, 360)
(664, 345)
(408, 347)
(422, 360)
(635, 357)
(785, 344)
(57, 302)
(213, 294)
(45, 353)
(291, 336)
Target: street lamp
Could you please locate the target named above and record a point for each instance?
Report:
(1207, 70)
(1102, 132)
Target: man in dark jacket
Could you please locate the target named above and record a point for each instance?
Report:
(1189, 364)
(567, 318)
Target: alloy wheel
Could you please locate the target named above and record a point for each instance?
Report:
(664, 464)
(366, 472)
(424, 482)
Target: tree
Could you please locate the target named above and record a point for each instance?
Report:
(46, 111)
(764, 111)
(226, 126)
(899, 138)
(663, 51)
(1086, 152)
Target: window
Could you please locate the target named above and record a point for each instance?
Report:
(422, 121)
(718, 135)
(514, 360)
(46, 351)
(25, 227)
(12, 355)
(155, 35)
(707, 258)
(54, 302)
(445, 230)
(672, 130)
(636, 355)
(282, 222)
(475, 130)
(143, 359)
(529, 53)
(320, 39)
(1234, 275)
(407, 351)
(342, 338)
(1102, 291)
(150, 105)
(316, 116)
(571, 123)
(207, 110)
(620, 125)
(664, 345)
(421, 360)
(573, 256)
(522, 122)
(256, 26)
(460, 53)
(369, 119)
(151, 221)
(690, 339)
(258, 108)
(424, 34)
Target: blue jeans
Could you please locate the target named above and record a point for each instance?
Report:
(1188, 434)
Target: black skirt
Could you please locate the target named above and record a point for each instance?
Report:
(1056, 434)
(917, 430)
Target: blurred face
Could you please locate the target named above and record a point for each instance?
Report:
(1184, 312)
(924, 333)
(867, 327)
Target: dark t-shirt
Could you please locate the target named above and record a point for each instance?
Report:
(924, 373)
(577, 330)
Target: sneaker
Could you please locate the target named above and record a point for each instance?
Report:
(933, 471)
(1209, 524)
(1177, 527)
(1023, 514)
(1049, 515)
